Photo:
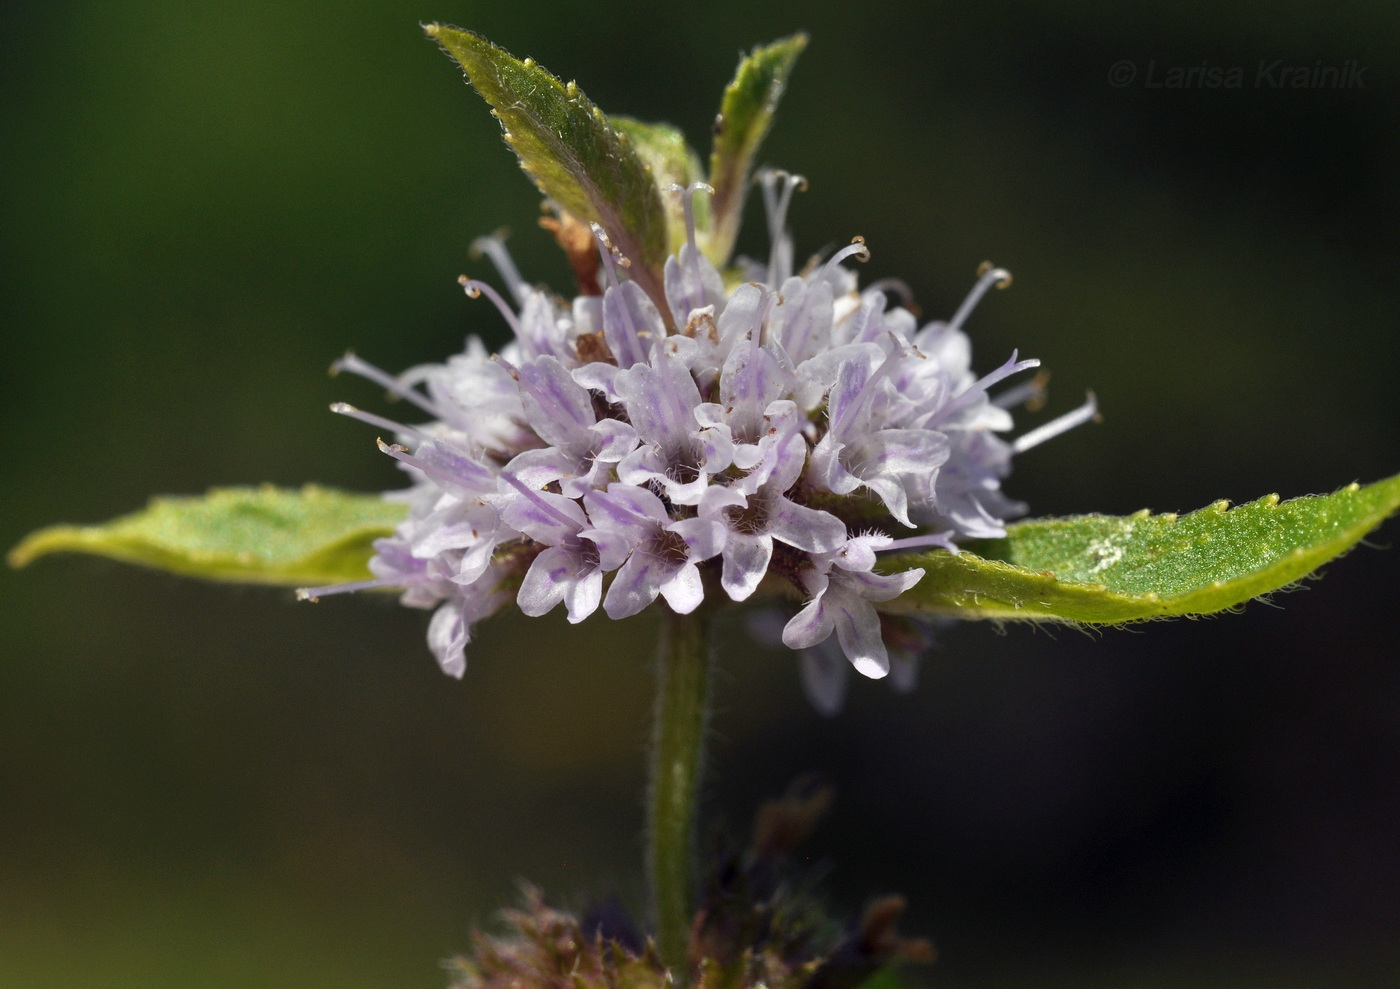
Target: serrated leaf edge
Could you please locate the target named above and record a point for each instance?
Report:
(1116, 608)
(98, 540)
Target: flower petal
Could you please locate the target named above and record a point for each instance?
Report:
(447, 638)
(583, 595)
(812, 624)
(684, 590)
(630, 323)
(558, 408)
(745, 564)
(809, 529)
(547, 581)
(858, 631)
(636, 585)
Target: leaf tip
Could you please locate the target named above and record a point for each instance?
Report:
(24, 553)
(439, 32)
(42, 542)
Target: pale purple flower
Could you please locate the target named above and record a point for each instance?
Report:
(664, 554)
(781, 432)
(843, 586)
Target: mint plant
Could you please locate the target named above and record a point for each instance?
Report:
(693, 429)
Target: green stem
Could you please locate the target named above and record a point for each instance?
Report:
(677, 758)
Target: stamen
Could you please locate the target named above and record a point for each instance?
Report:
(616, 504)
(942, 539)
(1089, 410)
(688, 204)
(511, 369)
(765, 306)
(979, 387)
(766, 298)
(857, 247)
(1032, 393)
(476, 289)
(314, 594)
(775, 206)
(401, 454)
(612, 257)
(466, 474)
(534, 496)
(494, 247)
(899, 287)
(987, 277)
(346, 409)
(776, 203)
(352, 363)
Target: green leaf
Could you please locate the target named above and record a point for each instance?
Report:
(262, 535)
(745, 114)
(672, 161)
(574, 153)
(1103, 569)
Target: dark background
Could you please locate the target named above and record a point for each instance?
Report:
(204, 204)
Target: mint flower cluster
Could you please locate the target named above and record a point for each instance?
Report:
(784, 429)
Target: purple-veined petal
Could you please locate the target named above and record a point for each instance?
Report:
(827, 470)
(630, 323)
(543, 516)
(660, 399)
(557, 407)
(547, 581)
(691, 283)
(899, 451)
(612, 547)
(623, 506)
(745, 564)
(538, 468)
(599, 376)
(612, 440)
(636, 585)
(809, 529)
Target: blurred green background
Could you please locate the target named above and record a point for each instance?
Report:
(204, 204)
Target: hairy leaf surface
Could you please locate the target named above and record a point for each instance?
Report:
(261, 535)
(574, 153)
(745, 114)
(1103, 569)
(672, 161)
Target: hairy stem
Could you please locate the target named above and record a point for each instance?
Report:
(677, 760)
